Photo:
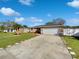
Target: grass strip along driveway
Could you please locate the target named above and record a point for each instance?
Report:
(73, 43)
(10, 39)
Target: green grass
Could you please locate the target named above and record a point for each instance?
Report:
(10, 39)
(73, 43)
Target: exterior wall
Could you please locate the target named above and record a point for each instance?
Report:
(32, 30)
(53, 31)
(71, 32)
(76, 32)
(9, 31)
(24, 30)
(5, 31)
(66, 31)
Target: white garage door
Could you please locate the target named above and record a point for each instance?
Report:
(53, 31)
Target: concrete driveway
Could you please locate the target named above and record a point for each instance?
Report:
(40, 47)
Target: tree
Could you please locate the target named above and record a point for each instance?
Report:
(17, 27)
(2, 28)
(57, 21)
(25, 26)
(49, 23)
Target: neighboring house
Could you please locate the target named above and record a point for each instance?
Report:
(71, 31)
(9, 30)
(24, 30)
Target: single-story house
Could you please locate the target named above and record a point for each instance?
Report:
(24, 30)
(56, 30)
(49, 29)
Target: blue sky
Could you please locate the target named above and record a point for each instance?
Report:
(37, 12)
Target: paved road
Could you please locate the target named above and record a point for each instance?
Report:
(40, 47)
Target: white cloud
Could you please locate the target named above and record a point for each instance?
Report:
(35, 24)
(30, 19)
(74, 3)
(21, 19)
(34, 19)
(26, 2)
(9, 12)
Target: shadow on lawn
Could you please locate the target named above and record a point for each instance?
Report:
(76, 36)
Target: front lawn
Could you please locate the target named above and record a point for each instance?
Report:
(10, 39)
(73, 43)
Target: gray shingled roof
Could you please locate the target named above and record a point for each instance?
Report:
(48, 26)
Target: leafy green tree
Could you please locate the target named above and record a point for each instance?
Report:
(49, 23)
(57, 21)
(25, 26)
(2, 26)
(17, 26)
